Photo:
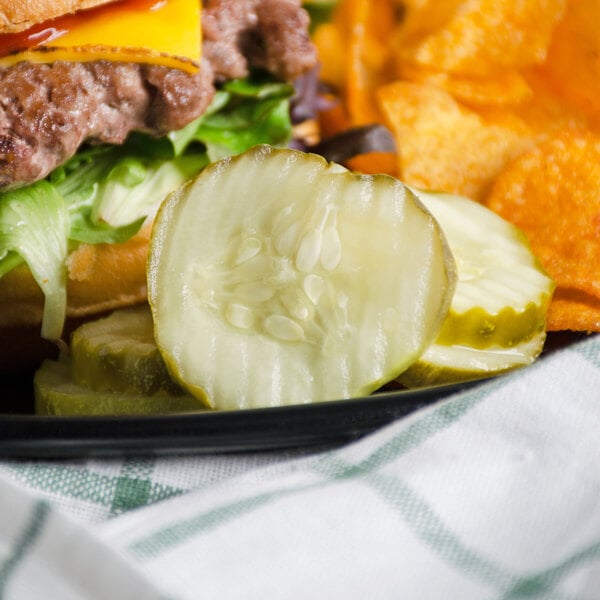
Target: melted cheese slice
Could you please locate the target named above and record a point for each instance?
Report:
(163, 32)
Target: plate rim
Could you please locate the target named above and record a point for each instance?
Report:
(213, 431)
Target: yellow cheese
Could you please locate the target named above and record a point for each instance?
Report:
(164, 32)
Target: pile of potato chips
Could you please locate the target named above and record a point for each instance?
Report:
(496, 100)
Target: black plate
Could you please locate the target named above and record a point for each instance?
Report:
(324, 423)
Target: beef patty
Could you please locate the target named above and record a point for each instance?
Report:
(48, 110)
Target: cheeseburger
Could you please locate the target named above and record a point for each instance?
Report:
(105, 107)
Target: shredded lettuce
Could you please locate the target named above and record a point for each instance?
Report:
(249, 112)
(105, 193)
(35, 225)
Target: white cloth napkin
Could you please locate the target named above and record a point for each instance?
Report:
(493, 493)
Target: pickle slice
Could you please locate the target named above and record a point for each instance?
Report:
(118, 354)
(56, 394)
(277, 278)
(497, 319)
(502, 294)
(452, 364)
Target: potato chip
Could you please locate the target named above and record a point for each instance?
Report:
(552, 193)
(496, 100)
(445, 146)
(573, 310)
(484, 35)
(374, 163)
(420, 18)
(573, 63)
(505, 88)
(334, 119)
(330, 46)
(366, 26)
(545, 112)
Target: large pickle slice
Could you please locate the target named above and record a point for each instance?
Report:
(277, 278)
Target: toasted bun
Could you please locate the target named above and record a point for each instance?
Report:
(101, 278)
(18, 15)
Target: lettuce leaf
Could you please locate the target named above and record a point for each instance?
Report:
(34, 225)
(244, 113)
(105, 193)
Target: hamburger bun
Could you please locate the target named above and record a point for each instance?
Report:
(101, 277)
(18, 15)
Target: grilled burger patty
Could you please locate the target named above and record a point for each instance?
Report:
(48, 110)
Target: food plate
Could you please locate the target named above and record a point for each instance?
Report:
(308, 425)
(324, 423)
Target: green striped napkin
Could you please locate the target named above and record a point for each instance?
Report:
(493, 493)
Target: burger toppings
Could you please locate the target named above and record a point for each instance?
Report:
(48, 111)
(313, 284)
(147, 31)
(111, 138)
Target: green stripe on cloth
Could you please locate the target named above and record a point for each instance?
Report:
(177, 533)
(116, 493)
(65, 481)
(30, 534)
(539, 585)
(425, 524)
(448, 546)
(133, 486)
(430, 528)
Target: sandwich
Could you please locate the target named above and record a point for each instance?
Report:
(105, 107)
